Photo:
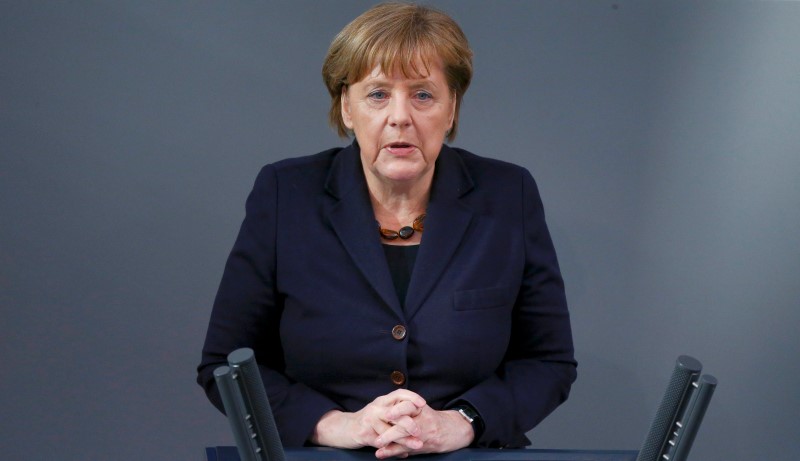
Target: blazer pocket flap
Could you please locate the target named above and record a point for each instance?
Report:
(482, 298)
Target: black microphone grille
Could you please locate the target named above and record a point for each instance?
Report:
(686, 369)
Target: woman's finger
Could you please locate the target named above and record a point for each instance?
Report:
(402, 409)
(400, 395)
(394, 450)
(400, 434)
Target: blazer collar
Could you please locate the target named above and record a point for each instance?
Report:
(351, 216)
(447, 219)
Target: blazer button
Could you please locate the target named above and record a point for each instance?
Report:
(399, 332)
(398, 378)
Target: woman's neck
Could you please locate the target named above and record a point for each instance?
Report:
(397, 204)
(399, 198)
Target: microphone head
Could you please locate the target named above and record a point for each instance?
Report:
(221, 371)
(688, 363)
(241, 356)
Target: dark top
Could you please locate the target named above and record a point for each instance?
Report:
(401, 261)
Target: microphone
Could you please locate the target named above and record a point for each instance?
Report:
(234, 410)
(686, 371)
(686, 428)
(247, 407)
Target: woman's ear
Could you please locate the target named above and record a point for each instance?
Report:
(453, 104)
(346, 118)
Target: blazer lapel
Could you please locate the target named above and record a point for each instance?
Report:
(353, 220)
(445, 225)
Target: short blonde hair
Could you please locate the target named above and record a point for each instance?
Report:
(395, 36)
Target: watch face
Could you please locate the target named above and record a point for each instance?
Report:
(467, 412)
(472, 416)
(466, 415)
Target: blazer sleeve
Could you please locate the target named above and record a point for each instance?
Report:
(539, 368)
(247, 312)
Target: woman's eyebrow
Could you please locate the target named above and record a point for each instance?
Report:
(411, 83)
(423, 83)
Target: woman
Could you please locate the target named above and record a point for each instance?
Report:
(399, 294)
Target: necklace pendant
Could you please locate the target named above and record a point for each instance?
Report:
(406, 232)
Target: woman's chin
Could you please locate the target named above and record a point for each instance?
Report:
(403, 177)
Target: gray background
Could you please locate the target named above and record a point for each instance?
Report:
(664, 137)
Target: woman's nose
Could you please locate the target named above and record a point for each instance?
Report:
(400, 112)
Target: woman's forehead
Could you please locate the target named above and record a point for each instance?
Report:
(397, 67)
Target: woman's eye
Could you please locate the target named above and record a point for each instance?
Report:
(378, 95)
(424, 96)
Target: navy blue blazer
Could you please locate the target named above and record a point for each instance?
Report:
(308, 288)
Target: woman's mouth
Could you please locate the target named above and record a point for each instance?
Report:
(400, 148)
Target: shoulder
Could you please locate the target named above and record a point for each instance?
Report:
(307, 169)
(304, 164)
(293, 178)
(483, 170)
(478, 163)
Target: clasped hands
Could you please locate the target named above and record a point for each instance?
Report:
(398, 424)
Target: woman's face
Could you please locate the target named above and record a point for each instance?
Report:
(400, 123)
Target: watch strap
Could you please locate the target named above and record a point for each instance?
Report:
(472, 416)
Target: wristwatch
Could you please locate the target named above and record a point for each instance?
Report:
(471, 415)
